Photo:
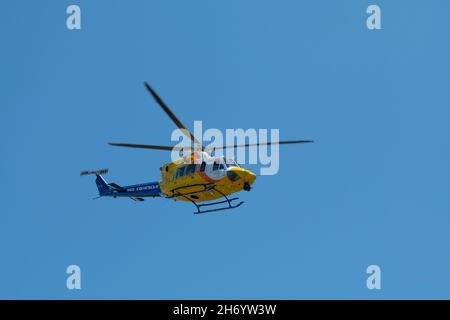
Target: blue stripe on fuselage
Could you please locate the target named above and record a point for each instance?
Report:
(150, 189)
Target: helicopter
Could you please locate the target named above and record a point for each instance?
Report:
(198, 176)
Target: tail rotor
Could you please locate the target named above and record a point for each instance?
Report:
(96, 172)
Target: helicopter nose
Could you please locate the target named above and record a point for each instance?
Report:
(247, 176)
(250, 177)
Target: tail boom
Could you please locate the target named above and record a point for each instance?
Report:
(135, 192)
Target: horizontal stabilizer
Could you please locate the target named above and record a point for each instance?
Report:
(116, 187)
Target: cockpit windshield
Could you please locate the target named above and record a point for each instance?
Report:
(231, 163)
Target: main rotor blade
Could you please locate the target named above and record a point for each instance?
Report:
(147, 146)
(262, 144)
(171, 114)
(170, 148)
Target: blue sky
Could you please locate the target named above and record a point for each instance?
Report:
(373, 189)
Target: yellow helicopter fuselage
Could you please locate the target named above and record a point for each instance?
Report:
(200, 177)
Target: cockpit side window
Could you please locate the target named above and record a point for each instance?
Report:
(190, 169)
(218, 166)
(180, 172)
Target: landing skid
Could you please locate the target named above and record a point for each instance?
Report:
(207, 187)
(230, 205)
